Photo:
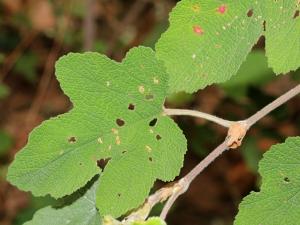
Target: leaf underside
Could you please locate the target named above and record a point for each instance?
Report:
(207, 41)
(116, 119)
(81, 212)
(278, 201)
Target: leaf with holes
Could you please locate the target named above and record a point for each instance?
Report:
(117, 117)
(207, 41)
(278, 201)
(282, 34)
(82, 211)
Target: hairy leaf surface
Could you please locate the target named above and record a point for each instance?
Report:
(278, 201)
(282, 35)
(207, 41)
(83, 211)
(117, 117)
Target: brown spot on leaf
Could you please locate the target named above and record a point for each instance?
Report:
(120, 122)
(131, 106)
(72, 140)
(296, 14)
(149, 97)
(101, 163)
(250, 13)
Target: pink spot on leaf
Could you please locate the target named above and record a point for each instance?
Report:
(198, 30)
(222, 9)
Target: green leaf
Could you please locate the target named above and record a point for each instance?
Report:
(180, 99)
(254, 71)
(34, 204)
(117, 116)
(282, 35)
(207, 41)
(278, 201)
(296, 75)
(251, 153)
(83, 211)
(151, 221)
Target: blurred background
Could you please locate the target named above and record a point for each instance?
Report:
(35, 33)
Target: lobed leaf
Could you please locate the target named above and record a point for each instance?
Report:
(117, 117)
(278, 201)
(207, 41)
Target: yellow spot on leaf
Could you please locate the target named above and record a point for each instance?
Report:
(115, 131)
(100, 140)
(155, 80)
(118, 140)
(148, 148)
(196, 8)
(142, 89)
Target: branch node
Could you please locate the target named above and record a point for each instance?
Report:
(236, 133)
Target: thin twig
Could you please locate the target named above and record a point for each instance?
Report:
(205, 162)
(194, 113)
(89, 26)
(188, 179)
(142, 212)
(177, 191)
(192, 175)
(273, 105)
